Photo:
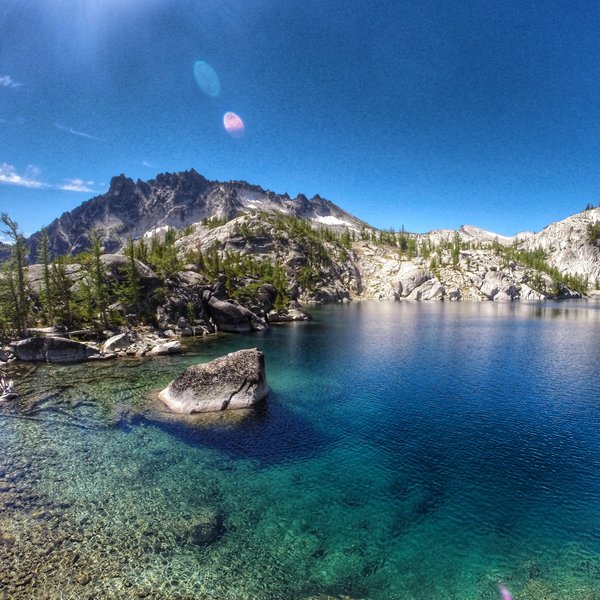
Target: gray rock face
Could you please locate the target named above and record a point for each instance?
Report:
(237, 380)
(368, 267)
(567, 246)
(411, 277)
(267, 294)
(52, 350)
(116, 265)
(132, 208)
(430, 289)
(232, 317)
(116, 343)
(291, 314)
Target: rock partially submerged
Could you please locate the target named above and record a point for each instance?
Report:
(52, 350)
(164, 348)
(231, 316)
(287, 315)
(237, 380)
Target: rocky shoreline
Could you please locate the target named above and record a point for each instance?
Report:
(192, 310)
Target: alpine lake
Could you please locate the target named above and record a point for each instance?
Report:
(407, 451)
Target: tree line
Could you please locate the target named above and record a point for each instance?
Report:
(78, 291)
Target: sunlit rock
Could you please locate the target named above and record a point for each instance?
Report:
(116, 343)
(232, 317)
(164, 348)
(52, 350)
(237, 380)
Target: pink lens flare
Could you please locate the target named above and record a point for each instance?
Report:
(504, 593)
(233, 124)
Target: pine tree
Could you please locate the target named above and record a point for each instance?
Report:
(455, 252)
(98, 278)
(130, 290)
(8, 301)
(86, 305)
(17, 275)
(46, 295)
(60, 291)
(141, 251)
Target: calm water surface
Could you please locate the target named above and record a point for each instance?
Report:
(406, 451)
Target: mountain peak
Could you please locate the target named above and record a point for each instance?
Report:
(119, 183)
(130, 209)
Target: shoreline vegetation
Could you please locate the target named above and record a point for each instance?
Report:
(242, 274)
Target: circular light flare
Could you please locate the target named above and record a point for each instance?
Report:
(233, 124)
(206, 78)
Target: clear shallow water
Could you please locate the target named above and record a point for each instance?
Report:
(407, 451)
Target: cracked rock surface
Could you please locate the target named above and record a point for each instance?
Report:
(237, 380)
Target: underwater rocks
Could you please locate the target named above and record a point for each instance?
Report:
(7, 388)
(237, 380)
(208, 528)
(326, 597)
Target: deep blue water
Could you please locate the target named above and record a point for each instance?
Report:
(406, 451)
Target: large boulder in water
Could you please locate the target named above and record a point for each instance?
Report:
(52, 350)
(237, 380)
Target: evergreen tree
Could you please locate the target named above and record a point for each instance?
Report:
(346, 239)
(85, 302)
(129, 291)
(46, 295)
(455, 251)
(593, 232)
(8, 301)
(17, 275)
(60, 291)
(141, 251)
(98, 278)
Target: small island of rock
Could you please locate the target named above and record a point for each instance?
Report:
(237, 380)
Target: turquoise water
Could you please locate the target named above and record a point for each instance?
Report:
(406, 451)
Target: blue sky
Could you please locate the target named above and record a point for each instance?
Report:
(424, 114)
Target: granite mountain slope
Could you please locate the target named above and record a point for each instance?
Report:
(130, 209)
(326, 253)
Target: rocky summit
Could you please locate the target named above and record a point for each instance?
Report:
(134, 209)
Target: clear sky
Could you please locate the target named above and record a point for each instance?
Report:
(421, 113)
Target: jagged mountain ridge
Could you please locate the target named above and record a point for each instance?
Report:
(130, 209)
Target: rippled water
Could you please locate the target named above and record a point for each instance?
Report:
(407, 451)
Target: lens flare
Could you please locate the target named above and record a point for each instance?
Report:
(504, 593)
(233, 124)
(206, 78)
